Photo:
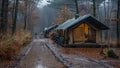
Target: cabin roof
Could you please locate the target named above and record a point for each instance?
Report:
(86, 18)
(51, 28)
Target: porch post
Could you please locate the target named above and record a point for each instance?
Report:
(72, 37)
(64, 37)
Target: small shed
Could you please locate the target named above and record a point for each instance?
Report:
(84, 29)
(48, 31)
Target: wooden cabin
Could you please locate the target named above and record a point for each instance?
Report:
(84, 29)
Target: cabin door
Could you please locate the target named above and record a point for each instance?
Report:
(78, 34)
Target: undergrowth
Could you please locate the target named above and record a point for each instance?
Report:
(10, 45)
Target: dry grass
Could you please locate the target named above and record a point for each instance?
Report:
(11, 45)
(92, 52)
(95, 54)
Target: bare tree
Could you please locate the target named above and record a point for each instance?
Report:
(63, 15)
(77, 9)
(118, 23)
(4, 16)
(94, 7)
(25, 18)
(15, 17)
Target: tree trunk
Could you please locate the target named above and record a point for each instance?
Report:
(4, 16)
(118, 24)
(15, 17)
(13, 10)
(94, 8)
(25, 18)
(77, 9)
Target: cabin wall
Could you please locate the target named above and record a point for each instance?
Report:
(70, 37)
(98, 37)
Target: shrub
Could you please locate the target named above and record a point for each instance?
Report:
(11, 45)
(110, 53)
(12, 50)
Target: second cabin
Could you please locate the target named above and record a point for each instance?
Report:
(84, 29)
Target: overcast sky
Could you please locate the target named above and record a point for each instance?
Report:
(43, 3)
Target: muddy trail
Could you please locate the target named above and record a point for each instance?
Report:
(44, 54)
(39, 56)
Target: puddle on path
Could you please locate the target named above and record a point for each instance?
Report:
(40, 65)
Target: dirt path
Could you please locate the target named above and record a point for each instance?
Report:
(39, 56)
(45, 54)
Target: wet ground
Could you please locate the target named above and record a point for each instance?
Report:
(39, 56)
(45, 54)
(74, 58)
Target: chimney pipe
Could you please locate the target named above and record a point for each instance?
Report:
(77, 10)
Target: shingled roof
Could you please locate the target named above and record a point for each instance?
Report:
(86, 18)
